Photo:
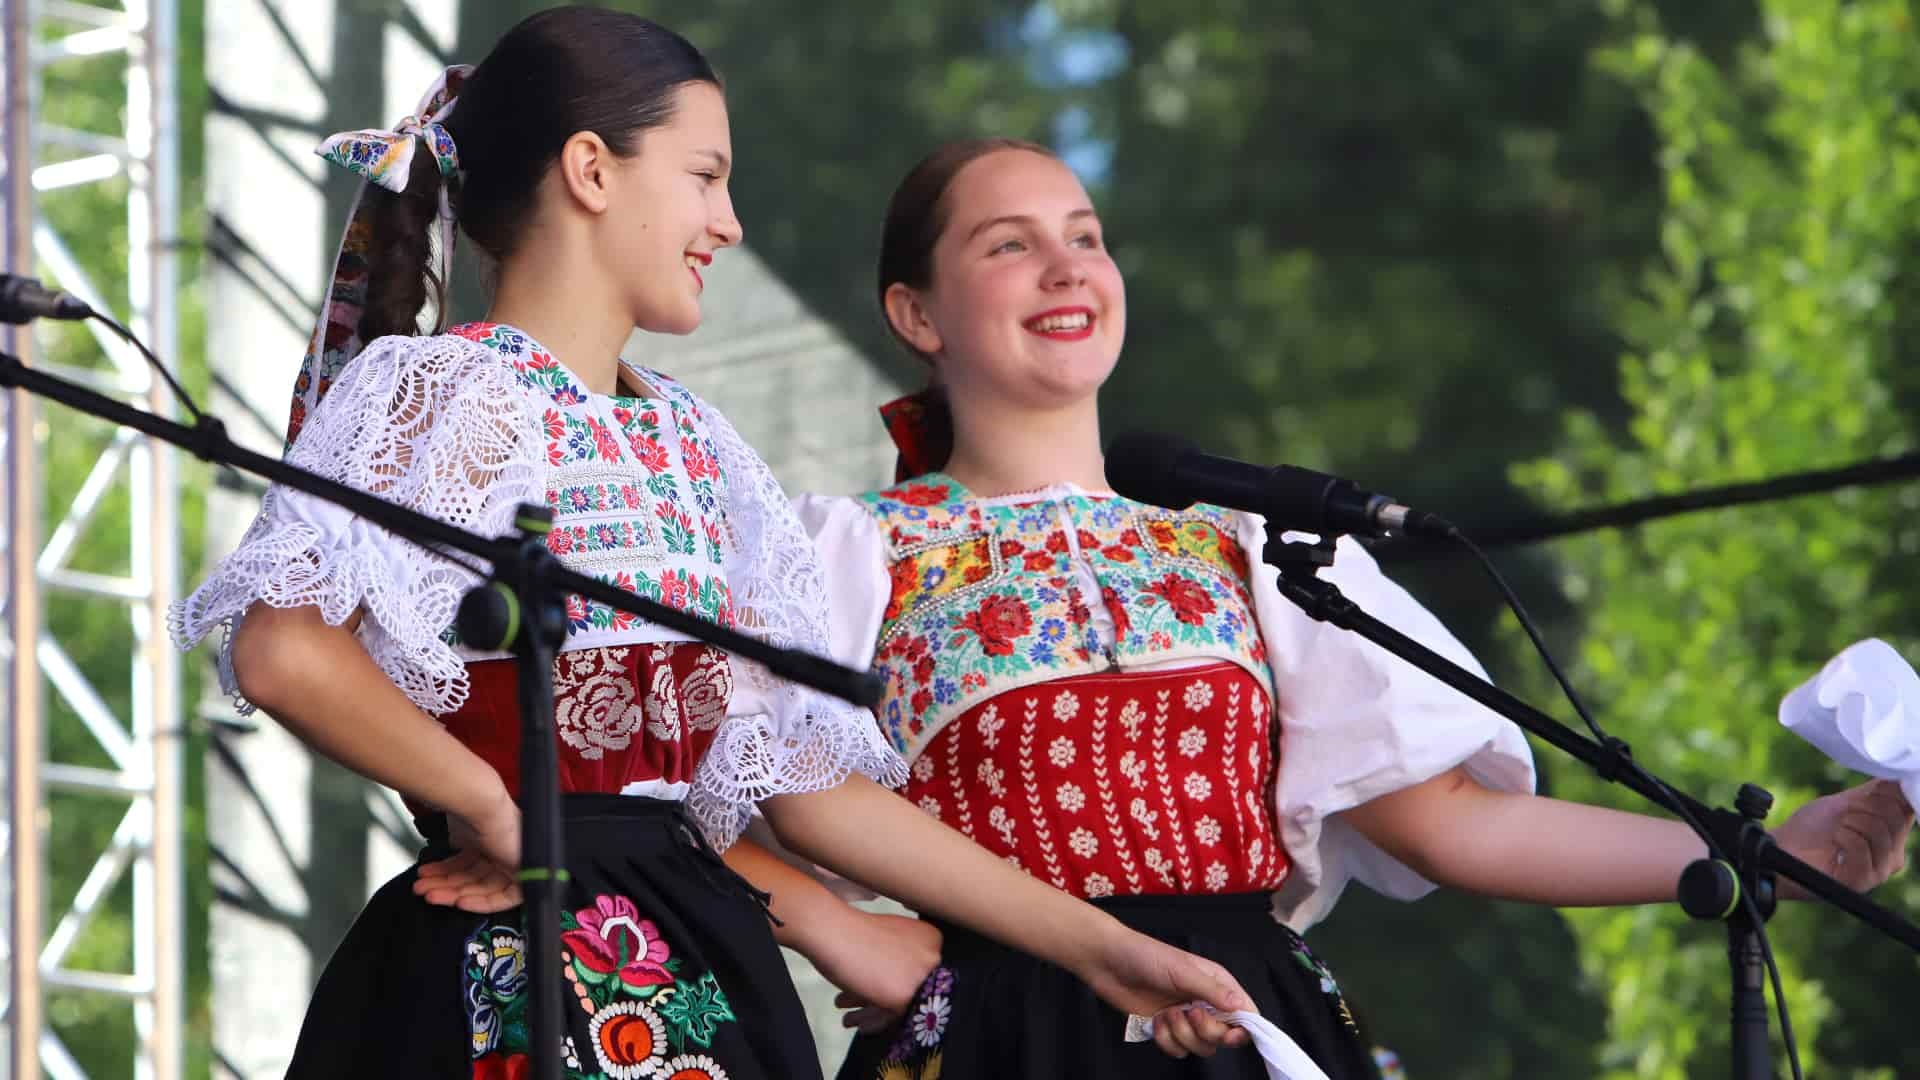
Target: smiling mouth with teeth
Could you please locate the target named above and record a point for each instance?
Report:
(694, 262)
(1062, 324)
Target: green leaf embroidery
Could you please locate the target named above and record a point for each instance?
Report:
(696, 1010)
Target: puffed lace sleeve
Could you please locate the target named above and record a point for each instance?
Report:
(780, 738)
(436, 424)
(1357, 722)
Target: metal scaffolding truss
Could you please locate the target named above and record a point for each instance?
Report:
(142, 747)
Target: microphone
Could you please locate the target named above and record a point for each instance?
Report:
(24, 299)
(1165, 470)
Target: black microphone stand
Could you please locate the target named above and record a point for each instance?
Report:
(1745, 859)
(523, 609)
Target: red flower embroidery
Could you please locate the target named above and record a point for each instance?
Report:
(1116, 610)
(1077, 611)
(614, 939)
(923, 494)
(1010, 548)
(920, 702)
(1057, 542)
(1190, 602)
(1130, 538)
(998, 622)
(502, 1067)
(603, 440)
(675, 588)
(906, 581)
(1118, 554)
(1236, 557)
(700, 466)
(976, 572)
(1040, 562)
(649, 452)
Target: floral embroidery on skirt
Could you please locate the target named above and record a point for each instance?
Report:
(1328, 986)
(641, 1014)
(915, 1055)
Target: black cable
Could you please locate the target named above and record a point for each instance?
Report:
(172, 384)
(200, 418)
(1625, 760)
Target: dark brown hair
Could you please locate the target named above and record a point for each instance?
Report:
(916, 217)
(557, 73)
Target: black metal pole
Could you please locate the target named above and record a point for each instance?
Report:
(542, 862)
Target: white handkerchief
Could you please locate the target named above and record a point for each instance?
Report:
(1863, 711)
(1283, 1057)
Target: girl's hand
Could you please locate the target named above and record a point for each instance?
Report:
(481, 877)
(1140, 975)
(1858, 836)
(878, 962)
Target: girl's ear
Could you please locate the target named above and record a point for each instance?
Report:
(907, 314)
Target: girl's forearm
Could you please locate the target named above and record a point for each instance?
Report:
(1522, 847)
(319, 682)
(897, 850)
(808, 911)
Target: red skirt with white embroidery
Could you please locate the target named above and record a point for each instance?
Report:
(1137, 783)
(623, 714)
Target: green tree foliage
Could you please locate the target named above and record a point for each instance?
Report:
(1774, 335)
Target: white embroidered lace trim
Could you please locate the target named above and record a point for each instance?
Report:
(806, 740)
(436, 424)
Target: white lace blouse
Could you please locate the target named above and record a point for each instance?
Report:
(464, 429)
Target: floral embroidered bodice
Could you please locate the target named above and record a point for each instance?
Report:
(636, 489)
(989, 595)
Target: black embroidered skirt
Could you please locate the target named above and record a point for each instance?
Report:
(991, 1012)
(670, 965)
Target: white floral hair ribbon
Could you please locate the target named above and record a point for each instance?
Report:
(384, 158)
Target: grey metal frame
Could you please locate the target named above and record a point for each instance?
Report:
(144, 746)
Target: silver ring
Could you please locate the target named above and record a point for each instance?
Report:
(1139, 1028)
(1839, 856)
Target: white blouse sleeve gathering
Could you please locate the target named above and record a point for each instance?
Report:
(853, 562)
(780, 738)
(436, 424)
(1357, 722)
